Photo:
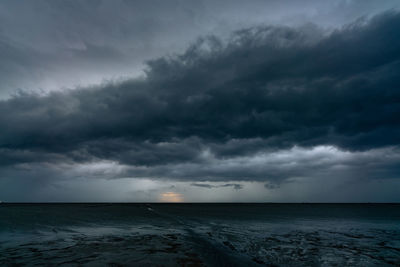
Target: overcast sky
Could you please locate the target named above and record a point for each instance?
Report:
(278, 101)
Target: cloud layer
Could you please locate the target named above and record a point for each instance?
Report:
(273, 86)
(270, 103)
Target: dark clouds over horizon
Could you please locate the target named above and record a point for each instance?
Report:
(273, 104)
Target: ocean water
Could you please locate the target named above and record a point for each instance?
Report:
(200, 234)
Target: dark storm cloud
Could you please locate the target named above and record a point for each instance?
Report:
(273, 86)
(271, 186)
(270, 104)
(209, 186)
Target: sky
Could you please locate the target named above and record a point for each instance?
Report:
(199, 101)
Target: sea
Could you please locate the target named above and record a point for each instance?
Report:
(183, 234)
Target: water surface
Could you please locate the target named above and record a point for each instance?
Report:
(200, 234)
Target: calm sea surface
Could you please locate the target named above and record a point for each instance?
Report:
(200, 234)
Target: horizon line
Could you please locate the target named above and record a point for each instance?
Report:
(148, 203)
